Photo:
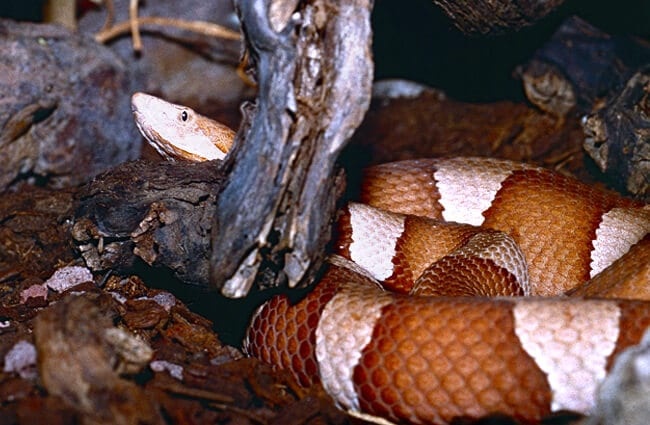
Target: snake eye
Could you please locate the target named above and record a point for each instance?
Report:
(184, 116)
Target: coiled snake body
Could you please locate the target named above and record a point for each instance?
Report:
(410, 321)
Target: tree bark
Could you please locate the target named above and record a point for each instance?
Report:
(618, 136)
(314, 77)
(495, 17)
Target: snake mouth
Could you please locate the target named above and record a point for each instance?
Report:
(149, 134)
(167, 150)
(152, 137)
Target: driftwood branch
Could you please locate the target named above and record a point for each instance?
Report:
(158, 212)
(496, 16)
(314, 78)
(605, 78)
(618, 136)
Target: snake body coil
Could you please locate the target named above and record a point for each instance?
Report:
(453, 350)
(450, 238)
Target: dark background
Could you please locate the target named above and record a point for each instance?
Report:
(416, 40)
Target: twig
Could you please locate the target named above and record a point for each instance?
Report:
(135, 30)
(110, 15)
(201, 27)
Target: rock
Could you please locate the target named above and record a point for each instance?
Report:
(624, 396)
(64, 106)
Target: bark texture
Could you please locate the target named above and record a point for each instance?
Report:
(161, 213)
(580, 68)
(618, 136)
(314, 74)
(585, 72)
(490, 16)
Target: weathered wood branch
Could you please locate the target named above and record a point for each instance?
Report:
(585, 72)
(490, 16)
(314, 78)
(159, 212)
(618, 136)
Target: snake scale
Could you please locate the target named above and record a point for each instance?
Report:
(447, 292)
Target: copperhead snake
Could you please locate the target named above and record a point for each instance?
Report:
(490, 248)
